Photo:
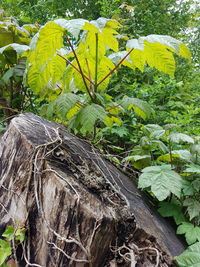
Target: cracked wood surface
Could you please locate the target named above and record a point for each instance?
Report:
(74, 203)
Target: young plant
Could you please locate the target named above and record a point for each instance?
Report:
(70, 63)
(11, 236)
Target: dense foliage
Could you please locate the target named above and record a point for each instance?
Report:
(115, 81)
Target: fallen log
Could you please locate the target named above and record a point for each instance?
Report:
(78, 209)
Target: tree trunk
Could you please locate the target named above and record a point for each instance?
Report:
(78, 209)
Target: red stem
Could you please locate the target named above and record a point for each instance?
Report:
(118, 64)
(69, 62)
(80, 69)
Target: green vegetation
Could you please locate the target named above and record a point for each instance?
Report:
(127, 84)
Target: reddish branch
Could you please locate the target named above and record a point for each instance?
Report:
(118, 64)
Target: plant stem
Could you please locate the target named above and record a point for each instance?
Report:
(96, 64)
(69, 62)
(117, 66)
(81, 72)
(89, 73)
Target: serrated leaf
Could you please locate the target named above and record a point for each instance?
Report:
(153, 131)
(172, 210)
(156, 50)
(136, 157)
(141, 108)
(73, 26)
(64, 103)
(20, 49)
(192, 233)
(193, 207)
(193, 168)
(5, 250)
(20, 234)
(190, 257)
(182, 154)
(179, 137)
(44, 65)
(87, 117)
(9, 232)
(162, 180)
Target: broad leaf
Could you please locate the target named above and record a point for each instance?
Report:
(162, 180)
(153, 131)
(192, 233)
(179, 137)
(141, 108)
(182, 154)
(190, 257)
(5, 250)
(172, 210)
(156, 50)
(9, 232)
(87, 117)
(193, 168)
(193, 207)
(62, 105)
(20, 49)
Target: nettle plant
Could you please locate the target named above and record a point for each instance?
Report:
(70, 63)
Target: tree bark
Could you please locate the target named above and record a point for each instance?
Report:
(78, 209)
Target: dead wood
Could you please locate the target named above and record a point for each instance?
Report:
(78, 209)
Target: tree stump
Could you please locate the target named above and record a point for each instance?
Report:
(78, 209)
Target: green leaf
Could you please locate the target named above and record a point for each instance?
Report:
(156, 50)
(182, 154)
(179, 137)
(87, 117)
(20, 49)
(63, 104)
(20, 234)
(193, 168)
(192, 233)
(9, 232)
(193, 207)
(73, 26)
(190, 257)
(141, 108)
(172, 210)
(153, 131)
(44, 65)
(5, 250)
(136, 157)
(162, 180)
(7, 75)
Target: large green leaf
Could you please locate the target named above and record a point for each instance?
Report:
(190, 257)
(157, 51)
(182, 154)
(153, 131)
(20, 49)
(193, 207)
(141, 108)
(193, 168)
(87, 117)
(44, 65)
(172, 210)
(162, 180)
(179, 137)
(5, 250)
(73, 26)
(62, 105)
(192, 233)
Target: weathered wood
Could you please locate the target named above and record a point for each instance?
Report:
(79, 209)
